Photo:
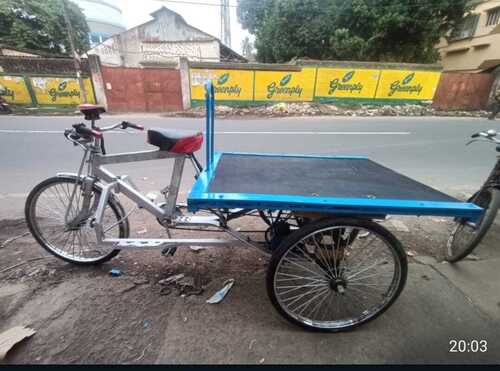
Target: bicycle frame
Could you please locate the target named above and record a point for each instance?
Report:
(122, 184)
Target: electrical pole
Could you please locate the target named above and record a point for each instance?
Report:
(76, 57)
(225, 23)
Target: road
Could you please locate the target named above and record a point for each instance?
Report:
(70, 308)
(430, 150)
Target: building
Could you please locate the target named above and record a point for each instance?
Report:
(104, 19)
(163, 40)
(475, 45)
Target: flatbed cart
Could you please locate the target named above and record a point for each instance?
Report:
(332, 266)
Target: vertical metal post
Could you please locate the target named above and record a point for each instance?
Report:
(210, 118)
(212, 125)
(175, 184)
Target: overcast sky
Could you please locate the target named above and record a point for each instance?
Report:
(204, 17)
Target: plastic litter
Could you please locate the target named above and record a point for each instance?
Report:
(171, 279)
(13, 336)
(221, 294)
(115, 272)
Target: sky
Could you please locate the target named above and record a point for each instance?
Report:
(204, 17)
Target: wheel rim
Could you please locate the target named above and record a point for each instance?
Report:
(464, 233)
(47, 214)
(334, 279)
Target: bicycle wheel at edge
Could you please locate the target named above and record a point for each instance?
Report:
(79, 245)
(324, 279)
(466, 235)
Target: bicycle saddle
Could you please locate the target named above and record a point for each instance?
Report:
(176, 141)
(91, 111)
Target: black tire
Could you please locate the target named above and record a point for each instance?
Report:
(309, 231)
(458, 245)
(117, 213)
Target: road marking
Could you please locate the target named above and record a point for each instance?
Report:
(9, 131)
(317, 132)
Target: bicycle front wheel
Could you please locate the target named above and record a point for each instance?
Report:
(46, 209)
(466, 235)
(327, 277)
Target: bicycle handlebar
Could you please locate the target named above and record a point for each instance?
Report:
(489, 136)
(126, 124)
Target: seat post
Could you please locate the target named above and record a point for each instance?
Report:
(173, 188)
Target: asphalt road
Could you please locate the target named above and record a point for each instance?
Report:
(431, 150)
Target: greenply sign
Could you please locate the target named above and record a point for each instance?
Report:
(223, 86)
(285, 85)
(405, 86)
(346, 83)
(228, 84)
(316, 84)
(282, 89)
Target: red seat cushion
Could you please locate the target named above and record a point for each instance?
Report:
(176, 141)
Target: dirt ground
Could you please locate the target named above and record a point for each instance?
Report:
(85, 315)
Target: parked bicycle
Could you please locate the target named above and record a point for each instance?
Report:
(466, 234)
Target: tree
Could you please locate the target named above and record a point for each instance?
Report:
(40, 26)
(364, 30)
(247, 49)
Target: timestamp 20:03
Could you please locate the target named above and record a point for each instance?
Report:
(468, 346)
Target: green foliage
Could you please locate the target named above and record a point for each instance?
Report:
(363, 30)
(40, 26)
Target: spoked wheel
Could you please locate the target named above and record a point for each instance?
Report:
(325, 277)
(45, 211)
(466, 235)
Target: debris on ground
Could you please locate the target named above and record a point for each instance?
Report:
(472, 257)
(185, 285)
(411, 253)
(115, 272)
(197, 248)
(22, 263)
(147, 323)
(221, 294)
(142, 231)
(13, 336)
(141, 281)
(143, 353)
(12, 239)
(171, 279)
(327, 109)
(252, 342)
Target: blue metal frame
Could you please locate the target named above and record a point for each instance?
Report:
(210, 118)
(201, 198)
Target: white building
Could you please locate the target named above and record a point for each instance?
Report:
(104, 19)
(164, 39)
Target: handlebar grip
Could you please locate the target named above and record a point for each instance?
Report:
(85, 131)
(126, 124)
(475, 135)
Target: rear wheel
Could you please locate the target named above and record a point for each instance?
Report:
(325, 277)
(45, 212)
(466, 235)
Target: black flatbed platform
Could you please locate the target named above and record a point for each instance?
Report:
(315, 183)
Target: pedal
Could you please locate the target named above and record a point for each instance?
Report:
(169, 251)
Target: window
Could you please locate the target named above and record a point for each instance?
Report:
(465, 29)
(493, 17)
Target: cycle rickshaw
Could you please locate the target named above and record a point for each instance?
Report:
(332, 266)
